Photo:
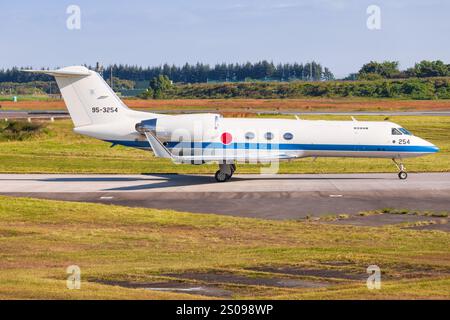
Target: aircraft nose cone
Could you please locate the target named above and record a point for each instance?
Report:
(430, 148)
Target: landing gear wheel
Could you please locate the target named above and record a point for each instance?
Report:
(402, 175)
(221, 176)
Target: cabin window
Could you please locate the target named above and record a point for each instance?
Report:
(249, 135)
(396, 132)
(288, 136)
(404, 131)
(268, 135)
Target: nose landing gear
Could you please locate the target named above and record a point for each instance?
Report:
(225, 172)
(402, 175)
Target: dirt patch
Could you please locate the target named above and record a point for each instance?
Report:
(439, 224)
(250, 105)
(306, 272)
(230, 278)
(378, 220)
(289, 104)
(389, 272)
(215, 284)
(172, 286)
(337, 263)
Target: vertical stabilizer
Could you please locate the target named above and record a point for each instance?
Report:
(88, 97)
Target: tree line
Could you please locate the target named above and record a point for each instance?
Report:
(197, 73)
(415, 88)
(390, 70)
(234, 72)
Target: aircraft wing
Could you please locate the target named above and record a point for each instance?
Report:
(162, 152)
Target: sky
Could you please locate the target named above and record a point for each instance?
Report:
(150, 33)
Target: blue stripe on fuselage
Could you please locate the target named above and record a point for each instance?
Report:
(283, 146)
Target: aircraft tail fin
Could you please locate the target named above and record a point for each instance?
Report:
(88, 97)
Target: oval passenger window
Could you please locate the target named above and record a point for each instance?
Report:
(288, 136)
(249, 135)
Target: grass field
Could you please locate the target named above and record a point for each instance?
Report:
(26, 98)
(247, 105)
(59, 150)
(120, 250)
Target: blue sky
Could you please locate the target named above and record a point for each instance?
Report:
(332, 32)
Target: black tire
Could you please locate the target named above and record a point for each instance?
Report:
(221, 177)
(402, 175)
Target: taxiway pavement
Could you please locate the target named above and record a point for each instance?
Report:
(287, 196)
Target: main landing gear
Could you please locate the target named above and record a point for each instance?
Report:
(225, 172)
(402, 175)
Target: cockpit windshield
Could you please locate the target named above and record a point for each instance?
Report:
(404, 131)
(396, 132)
(400, 131)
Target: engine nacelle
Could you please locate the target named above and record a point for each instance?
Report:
(185, 127)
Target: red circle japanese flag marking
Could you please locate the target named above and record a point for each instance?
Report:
(226, 138)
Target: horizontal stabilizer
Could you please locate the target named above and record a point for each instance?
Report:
(64, 72)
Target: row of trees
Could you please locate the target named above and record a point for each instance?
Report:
(16, 75)
(28, 88)
(433, 88)
(198, 73)
(261, 71)
(390, 70)
(161, 87)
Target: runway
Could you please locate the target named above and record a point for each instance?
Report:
(34, 114)
(291, 196)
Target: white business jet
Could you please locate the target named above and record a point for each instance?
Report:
(97, 111)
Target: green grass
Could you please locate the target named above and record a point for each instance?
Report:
(411, 212)
(30, 97)
(20, 130)
(59, 150)
(39, 239)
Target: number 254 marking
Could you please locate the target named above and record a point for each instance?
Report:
(404, 141)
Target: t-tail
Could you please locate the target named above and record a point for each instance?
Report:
(89, 99)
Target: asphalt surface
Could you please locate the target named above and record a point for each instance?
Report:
(292, 196)
(34, 114)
